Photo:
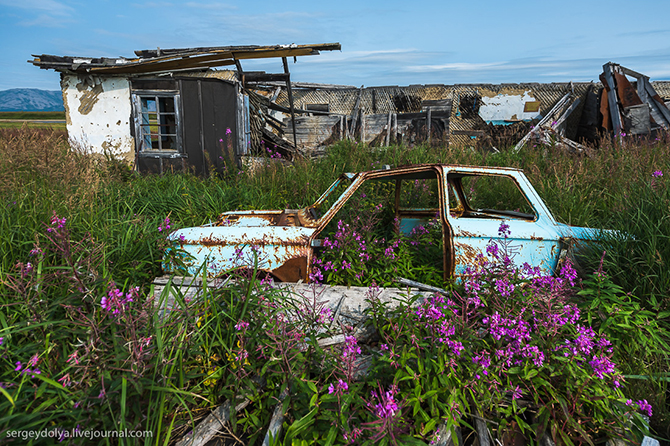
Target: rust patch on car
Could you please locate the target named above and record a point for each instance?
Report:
(292, 270)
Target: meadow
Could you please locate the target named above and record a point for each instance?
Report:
(81, 346)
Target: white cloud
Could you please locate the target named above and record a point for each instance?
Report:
(211, 6)
(41, 13)
(49, 7)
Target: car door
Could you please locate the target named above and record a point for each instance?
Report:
(498, 206)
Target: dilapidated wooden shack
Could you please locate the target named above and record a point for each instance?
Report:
(169, 109)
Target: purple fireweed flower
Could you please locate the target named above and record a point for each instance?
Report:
(601, 365)
(516, 393)
(241, 325)
(657, 173)
(350, 348)
(504, 230)
(35, 252)
(568, 272)
(56, 222)
(353, 435)
(339, 387)
(492, 249)
(33, 360)
(316, 275)
(65, 380)
(387, 406)
(484, 360)
(325, 316)
(228, 131)
(585, 341)
(504, 287)
(166, 224)
(645, 407)
(115, 302)
(73, 357)
(18, 366)
(2, 340)
(456, 347)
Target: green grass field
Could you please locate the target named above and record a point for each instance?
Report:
(13, 120)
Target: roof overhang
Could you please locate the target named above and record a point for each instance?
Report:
(162, 60)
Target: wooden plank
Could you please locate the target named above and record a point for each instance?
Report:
(395, 127)
(422, 115)
(444, 436)
(388, 130)
(657, 106)
(543, 121)
(312, 86)
(420, 286)
(363, 133)
(429, 122)
(276, 421)
(482, 432)
(290, 99)
(206, 430)
(477, 133)
(612, 99)
(354, 114)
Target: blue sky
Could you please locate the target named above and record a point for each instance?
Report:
(383, 42)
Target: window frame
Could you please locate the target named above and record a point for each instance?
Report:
(141, 135)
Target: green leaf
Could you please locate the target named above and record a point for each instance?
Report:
(332, 435)
(429, 426)
(300, 425)
(8, 396)
(531, 373)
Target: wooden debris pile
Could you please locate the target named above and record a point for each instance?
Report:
(630, 107)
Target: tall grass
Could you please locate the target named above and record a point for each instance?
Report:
(119, 212)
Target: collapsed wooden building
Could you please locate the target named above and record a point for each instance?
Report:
(172, 109)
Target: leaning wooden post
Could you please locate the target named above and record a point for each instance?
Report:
(290, 99)
(429, 121)
(388, 129)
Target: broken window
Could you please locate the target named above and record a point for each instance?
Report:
(388, 227)
(489, 196)
(157, 123)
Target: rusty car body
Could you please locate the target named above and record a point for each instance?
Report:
(469, 202)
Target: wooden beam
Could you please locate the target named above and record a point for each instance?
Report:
(354, 114)
(214, 423)
(657, 106)
(388, 129)
(612, 98)
(276, 421)
(290, 100)
(258, 77)
(543, 121)
(429, 122)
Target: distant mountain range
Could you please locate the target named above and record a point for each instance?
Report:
(31, 99)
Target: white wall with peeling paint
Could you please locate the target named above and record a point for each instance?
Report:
(507, 107)
(98, 112)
